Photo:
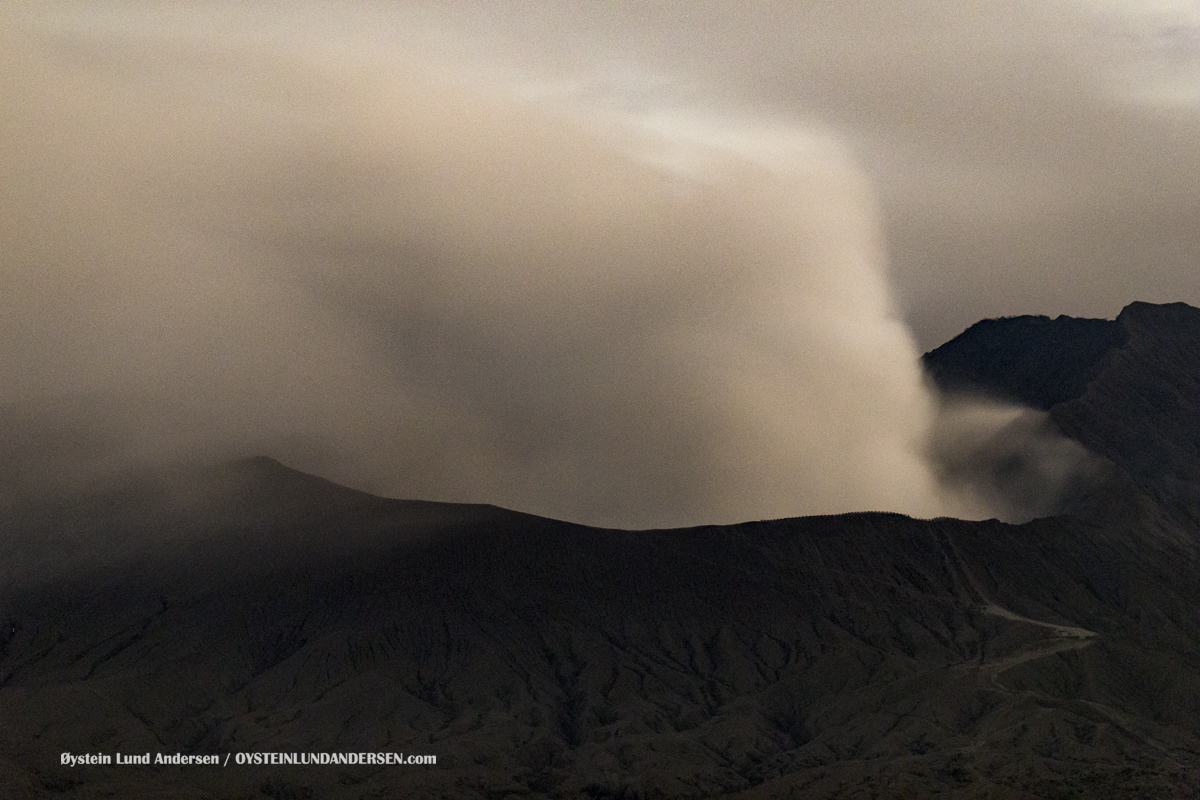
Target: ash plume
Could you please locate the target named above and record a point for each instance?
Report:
(1010, 462)
(434, 282)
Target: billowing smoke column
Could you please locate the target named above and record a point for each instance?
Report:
(1001, 460)
(431, 283)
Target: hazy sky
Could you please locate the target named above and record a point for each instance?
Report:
(1030, 157)
(630, 263)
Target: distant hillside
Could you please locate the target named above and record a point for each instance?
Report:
(1128, 389)
(1033, 360)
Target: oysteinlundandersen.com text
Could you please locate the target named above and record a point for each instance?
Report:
(246, 759)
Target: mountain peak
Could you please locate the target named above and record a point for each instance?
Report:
(1127, 389)
(1034, 361)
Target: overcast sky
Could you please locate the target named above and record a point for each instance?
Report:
(1030, 157)
(630, 263)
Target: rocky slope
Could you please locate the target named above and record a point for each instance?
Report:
(252, 608)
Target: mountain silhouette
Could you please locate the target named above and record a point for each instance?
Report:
(1127, 390)
(247, 607)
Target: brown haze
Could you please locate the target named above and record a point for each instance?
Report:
(622, 264)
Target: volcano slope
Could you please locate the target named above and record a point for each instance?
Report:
(248, 608)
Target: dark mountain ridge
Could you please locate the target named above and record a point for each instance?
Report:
(863, 655)
(1034, 361)
(1127, 390)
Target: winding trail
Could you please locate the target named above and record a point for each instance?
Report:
(1066, 637)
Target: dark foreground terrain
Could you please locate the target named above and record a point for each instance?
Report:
(865, 655)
